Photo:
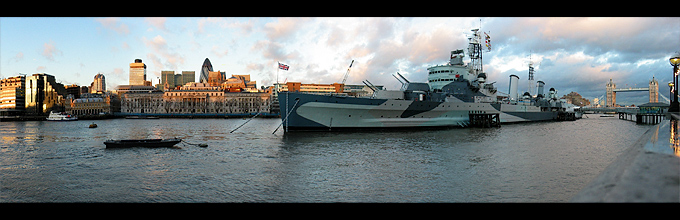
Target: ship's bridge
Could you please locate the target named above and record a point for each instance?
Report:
(439, 76)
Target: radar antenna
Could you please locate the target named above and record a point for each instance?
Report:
(531, 74)
(475, 50)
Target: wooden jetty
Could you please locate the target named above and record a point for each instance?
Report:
(485, 120)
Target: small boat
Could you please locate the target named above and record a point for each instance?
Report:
(61, 116)
(142, 143)
(93, 125)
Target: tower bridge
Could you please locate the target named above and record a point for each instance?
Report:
(612, 90)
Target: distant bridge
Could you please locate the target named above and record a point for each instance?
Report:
(612, 90)
(629, 110)
(630, 89)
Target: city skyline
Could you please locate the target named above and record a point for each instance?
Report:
(571, 54)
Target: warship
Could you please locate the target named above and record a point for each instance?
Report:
(454, 96)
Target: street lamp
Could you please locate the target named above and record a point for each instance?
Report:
(670, 85)
(675, 61)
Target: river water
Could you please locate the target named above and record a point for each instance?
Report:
(56, 162)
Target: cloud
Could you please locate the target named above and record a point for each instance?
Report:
(204, 21)
(219, 52)
(114, 25)
(49, 51)
(156, 62)
(158, 23)
(594, 36)
(284, 29)
(18, 57)
(245, 27)
(116, 77)
(574, 52)
(160, 47)
(583, 53)
(274, 51)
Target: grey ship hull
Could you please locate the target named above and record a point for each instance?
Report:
(300, 111)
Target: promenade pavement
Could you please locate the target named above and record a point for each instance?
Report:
(647, 172)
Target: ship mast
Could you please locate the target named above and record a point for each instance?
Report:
(475, 50)
(531, 75)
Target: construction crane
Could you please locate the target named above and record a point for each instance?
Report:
(344, 79)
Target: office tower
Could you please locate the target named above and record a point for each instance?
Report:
(73, 91)
(168, 79)
(189, 76)
(43, 94)
(137, 72)
(205, 71)
(99, 84)
(12, 95)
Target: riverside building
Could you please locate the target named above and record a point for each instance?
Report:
(212, 100)
(137, 99)
(191, 100)
(92, 104)
(43, 94)
(335, 88)
(12, 96)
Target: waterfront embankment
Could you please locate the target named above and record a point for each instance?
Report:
(647, 172)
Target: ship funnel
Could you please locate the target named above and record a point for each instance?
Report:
(540, 88)
(513, 87)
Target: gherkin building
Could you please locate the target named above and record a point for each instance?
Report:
(205, 69)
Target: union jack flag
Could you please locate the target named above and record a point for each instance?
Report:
(283, 66)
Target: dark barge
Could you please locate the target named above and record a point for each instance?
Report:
(142, 143)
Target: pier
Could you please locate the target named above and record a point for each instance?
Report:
(642, 118)
(650, 113)
(566, 116)
(485, 120)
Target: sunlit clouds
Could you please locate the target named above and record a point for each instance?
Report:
(576, 54)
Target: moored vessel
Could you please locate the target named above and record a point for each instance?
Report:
(454, 94)
(61, 116)
(142, 143)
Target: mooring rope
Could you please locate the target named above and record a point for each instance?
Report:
(251, 118)
(286, 119)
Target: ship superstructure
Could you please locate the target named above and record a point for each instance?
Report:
(453, 92)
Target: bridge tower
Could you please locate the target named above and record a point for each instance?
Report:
(653, 90)
(611, 95)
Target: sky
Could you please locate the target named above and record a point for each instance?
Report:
(579, 54)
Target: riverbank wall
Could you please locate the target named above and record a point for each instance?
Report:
(646, 172)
